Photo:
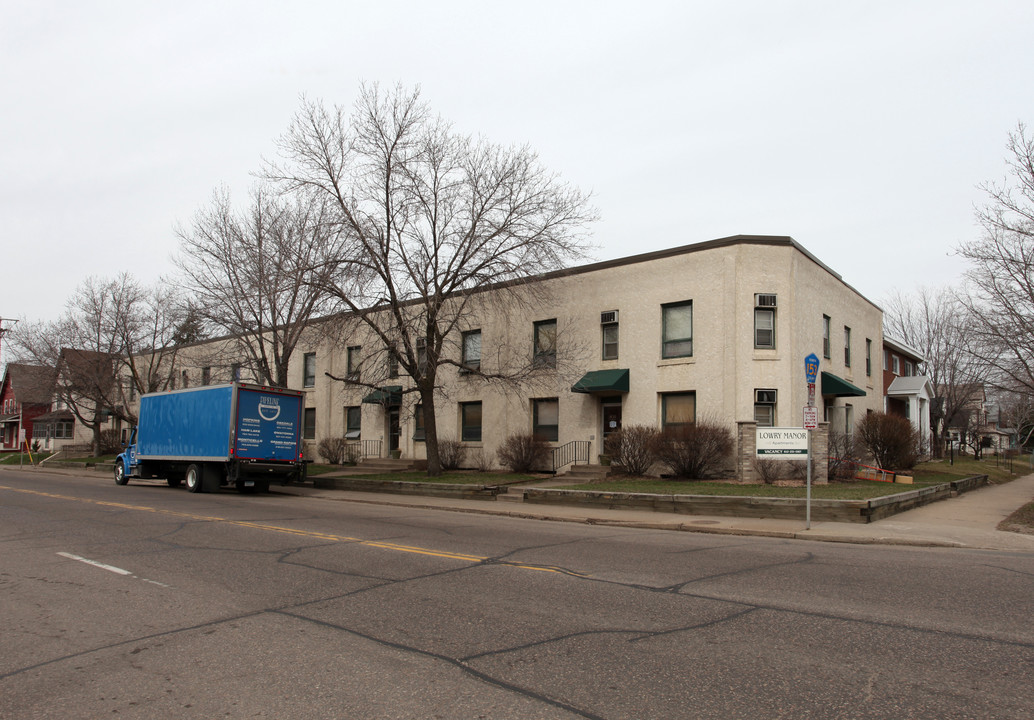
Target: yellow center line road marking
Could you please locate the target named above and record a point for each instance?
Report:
(302, 533)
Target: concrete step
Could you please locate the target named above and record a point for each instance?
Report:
(383, 465)
(584, 473)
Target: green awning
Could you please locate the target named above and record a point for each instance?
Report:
(602, 381)
(389, 395)
(838, 387)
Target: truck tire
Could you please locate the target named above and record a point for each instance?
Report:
(120, 473)
(194, 478)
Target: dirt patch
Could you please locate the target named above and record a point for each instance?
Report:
(1021, 521)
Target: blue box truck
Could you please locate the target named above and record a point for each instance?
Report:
(205, 437)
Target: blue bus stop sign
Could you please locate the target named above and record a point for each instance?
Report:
(811, 367)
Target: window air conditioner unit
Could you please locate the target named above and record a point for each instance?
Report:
(765, 300)
(608, 317)
(767, 397)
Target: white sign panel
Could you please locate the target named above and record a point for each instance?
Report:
(811, 417)
(782, 443)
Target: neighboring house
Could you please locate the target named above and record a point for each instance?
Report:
(25, 395)
(715, 330)
(907, 394)
(85, 397)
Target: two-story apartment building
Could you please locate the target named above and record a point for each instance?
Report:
(718, 329)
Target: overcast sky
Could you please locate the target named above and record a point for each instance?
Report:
(862, 130)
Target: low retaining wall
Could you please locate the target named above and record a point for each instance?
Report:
(400, 487)
(857, 511)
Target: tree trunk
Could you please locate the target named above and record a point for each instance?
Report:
(434, 463)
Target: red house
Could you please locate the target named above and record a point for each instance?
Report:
(25, 394)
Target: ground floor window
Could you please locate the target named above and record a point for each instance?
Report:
(678, 409)
(470, 422)
(353, 422)
(309, 424)
(764, 408)
(546, 419)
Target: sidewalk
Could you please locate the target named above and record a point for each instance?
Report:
(967, 521)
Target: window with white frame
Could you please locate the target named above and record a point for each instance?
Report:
(352, 360)
(764, 321)
(309, 370)
(609, 331)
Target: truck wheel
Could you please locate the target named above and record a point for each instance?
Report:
(120, 473)
(194, 479)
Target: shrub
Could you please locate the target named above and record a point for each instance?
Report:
(890, 439)
(334, 450)
(524, 453)
(844, 456)
(697, 451)
(631, 447)
(110, 443)
(451, 454)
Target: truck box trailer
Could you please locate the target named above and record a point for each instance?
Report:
(237, 434)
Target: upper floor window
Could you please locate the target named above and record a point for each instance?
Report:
(546, 419)
(352, 361)
(677, 330)
(825, 337)
(309, 370)
(609, 327)
(764, 320)
(472, 349)
(185, 378)
(908, 368)
(545, 344)
(895, 364)
(393, 363)
(206, 375)
(235, 372)
(847, 346)
(868, 357)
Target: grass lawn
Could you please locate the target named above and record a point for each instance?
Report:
(926, 474)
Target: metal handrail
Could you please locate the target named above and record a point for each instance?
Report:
(571, 454)
(363, 449)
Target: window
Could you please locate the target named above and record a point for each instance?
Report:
(895, 364)
(421, 354)
(309, 424)
(545, 344)
(546, 419)
(868, 357)
(309, 364)
(609, 324)
(235, 372)
(206, 375)
(418, 423)
(677, 330)
(352, 362)
(886, 360)
(353, 422)
(764, 407)
(64, 429)
(908, 368)
(678, 409)
(847, 346)
(825, 337)
(472, 349)
(470, 422)
(185, 378)
(393, 364)
(764, 328)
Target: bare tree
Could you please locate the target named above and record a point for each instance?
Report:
(1000, 295)
(434, 218)
(936, 323)
(150, 323)
(260, 274)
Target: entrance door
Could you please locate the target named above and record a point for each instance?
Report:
(393, 430)
(611, 421)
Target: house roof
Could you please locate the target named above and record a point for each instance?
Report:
(902, 349)
(911, 385)
(32, 384)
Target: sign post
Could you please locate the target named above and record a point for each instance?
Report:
(811, 372)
